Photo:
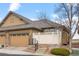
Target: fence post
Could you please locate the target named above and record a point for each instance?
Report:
(36, 46)
(35, 42)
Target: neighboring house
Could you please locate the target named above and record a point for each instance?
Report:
(75, 40)
(16, 30)
(75, 43)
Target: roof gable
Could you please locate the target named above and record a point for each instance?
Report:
(14, 19)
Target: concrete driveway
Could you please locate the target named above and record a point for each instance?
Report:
(18, 51)
(14, 51)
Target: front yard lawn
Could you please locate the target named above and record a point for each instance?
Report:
(75, 52)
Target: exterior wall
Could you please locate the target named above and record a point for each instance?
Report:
(48, 37)
(12, 20)
(32, 34)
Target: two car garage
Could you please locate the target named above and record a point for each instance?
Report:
(15, 39)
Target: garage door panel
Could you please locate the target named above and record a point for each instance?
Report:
(13, 40)
(19, 40)
(2, 38)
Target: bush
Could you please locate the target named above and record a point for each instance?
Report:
(60, 51)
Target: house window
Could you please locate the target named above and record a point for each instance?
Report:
(13, 34)
(23, 34)
(19, 34)
(47, 30)
(51, 30)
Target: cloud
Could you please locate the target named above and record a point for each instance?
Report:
(33, 19)
(54, 16)
(14, 6)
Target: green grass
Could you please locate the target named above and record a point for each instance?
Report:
(75, 52)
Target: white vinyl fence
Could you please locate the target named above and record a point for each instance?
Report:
(47, 37)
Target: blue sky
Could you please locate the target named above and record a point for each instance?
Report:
(29, 10)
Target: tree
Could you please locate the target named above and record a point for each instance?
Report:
(66, 13)
(42, 15)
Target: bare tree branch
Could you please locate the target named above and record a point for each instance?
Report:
(77, 21)
(70, 11)
(42, 15)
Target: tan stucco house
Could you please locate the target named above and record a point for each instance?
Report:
(16, 30)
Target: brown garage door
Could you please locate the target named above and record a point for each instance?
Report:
(2, 39)
(19, 40)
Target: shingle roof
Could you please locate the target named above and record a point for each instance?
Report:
(40, 24)
(23, 26)
(45, 24)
